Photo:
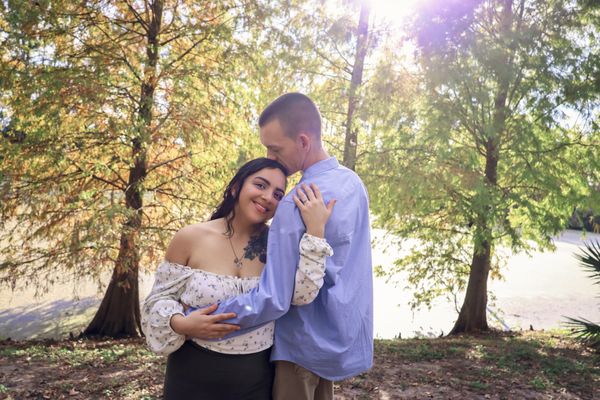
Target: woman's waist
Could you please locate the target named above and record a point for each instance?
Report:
(248, 342)
(202, 348)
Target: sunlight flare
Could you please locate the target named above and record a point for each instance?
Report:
(394, 11)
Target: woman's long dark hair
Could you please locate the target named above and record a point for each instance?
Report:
(226, 209)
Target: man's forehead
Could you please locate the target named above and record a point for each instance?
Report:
(272, 129)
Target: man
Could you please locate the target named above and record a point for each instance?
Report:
(331, 338)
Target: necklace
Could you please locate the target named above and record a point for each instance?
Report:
(236, 260)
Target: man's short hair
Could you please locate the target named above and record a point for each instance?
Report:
(296, 113)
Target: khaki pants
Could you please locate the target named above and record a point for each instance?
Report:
(292, 382)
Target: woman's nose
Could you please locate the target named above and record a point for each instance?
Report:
(269, 197)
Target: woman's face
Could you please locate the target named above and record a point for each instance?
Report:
(261, 194)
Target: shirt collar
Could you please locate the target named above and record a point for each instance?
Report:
(320, 167)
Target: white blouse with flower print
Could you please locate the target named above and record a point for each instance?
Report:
(175, 284)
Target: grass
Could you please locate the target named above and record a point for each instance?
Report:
(81, 369)
(541, 365)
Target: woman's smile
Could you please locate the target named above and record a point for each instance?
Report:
(262, 209)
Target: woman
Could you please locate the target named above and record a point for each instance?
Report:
(222, 258)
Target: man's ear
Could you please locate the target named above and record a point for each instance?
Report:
(305, 140)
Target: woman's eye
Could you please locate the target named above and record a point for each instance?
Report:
(260, 185)
(278, 196)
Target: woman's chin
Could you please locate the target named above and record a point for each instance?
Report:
(265, 218)
(259, 218)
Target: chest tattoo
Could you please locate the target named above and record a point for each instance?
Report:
(257, 246)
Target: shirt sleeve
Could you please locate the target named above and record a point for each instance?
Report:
(273, 296)
(311, 269)
(161, 304)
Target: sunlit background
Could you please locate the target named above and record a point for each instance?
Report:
(394, 11)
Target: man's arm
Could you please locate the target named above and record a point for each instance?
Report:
(272, 297)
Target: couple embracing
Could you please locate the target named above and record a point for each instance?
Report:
(250, 311)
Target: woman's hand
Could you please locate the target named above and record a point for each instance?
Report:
(313, 209)
(200, 324)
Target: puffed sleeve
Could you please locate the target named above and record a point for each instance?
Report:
(161, 304)
(311, 269)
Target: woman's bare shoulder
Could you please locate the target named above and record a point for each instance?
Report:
(213, 227)
(190, 237)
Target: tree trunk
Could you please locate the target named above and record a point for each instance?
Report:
(473, 317)
(119, 312)
(357, 72)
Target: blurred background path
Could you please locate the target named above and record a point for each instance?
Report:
(539, 291)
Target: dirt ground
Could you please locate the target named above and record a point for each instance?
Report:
(531, 365)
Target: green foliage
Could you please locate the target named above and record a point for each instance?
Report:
(482, 154)
(586, 331)
(590, 260)
(539, 383)
(477, 385)
(73, 118)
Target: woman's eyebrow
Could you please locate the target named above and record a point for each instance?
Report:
(263, 179)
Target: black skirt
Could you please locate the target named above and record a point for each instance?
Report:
(194, 372)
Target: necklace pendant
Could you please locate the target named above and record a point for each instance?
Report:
(238, 263)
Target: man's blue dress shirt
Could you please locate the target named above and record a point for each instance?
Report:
(333, 335)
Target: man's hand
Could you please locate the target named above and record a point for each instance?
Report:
(202, 325)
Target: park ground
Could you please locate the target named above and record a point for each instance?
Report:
(524, 365)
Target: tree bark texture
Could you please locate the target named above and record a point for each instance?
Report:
(473, 316)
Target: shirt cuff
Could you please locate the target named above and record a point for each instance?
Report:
(315, 245)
